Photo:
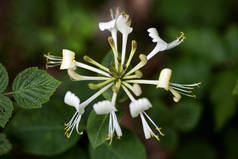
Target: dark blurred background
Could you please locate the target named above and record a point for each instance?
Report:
(202, 128)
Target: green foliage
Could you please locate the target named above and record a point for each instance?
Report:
(186, 12)
(171, 138)
(222, 98)
(5, 145)
(235, 90)
(42, 126)
(196, 149)
(231, 37)
(3, 78)
(6, 109)
(231, 143)
(33, 87)
(127, 147)
(76, 152)
(186, 115)
(97, 129)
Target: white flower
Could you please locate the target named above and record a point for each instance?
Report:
(138, 107)
(118, 75)
(68, 61)
(72, 100)
(174, 88)
(164, 82)
(111, 25)
(123, 24)
(107, 107)
(104, 107)
(161, 44)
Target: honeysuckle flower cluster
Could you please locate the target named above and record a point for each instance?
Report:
(118, 77)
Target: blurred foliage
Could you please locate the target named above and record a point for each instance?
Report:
(202, 128)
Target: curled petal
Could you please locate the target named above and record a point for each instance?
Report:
(107, 25)
(122, 24)
(164, 79)
(104, 107)
(138, 106)
(72, 100)
(161, 44)
(68, 61)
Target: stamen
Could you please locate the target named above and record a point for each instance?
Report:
(180, 86)
(157, 128)
(181, 90)
(111, 13)
(90, 60)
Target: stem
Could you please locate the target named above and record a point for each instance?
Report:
(98, 93)
(90, 68)
(152, 82)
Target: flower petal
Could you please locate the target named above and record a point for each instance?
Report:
(72, 100)
(104, 107)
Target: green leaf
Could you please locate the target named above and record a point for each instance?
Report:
(33, 87)
(75, 152)
(196, 149)
(41, 131)
(97, 129)
(231, 143)
(5, 145)
(127, 148)
(170, 140)
(186, 115)
(224, 103)
(235, 90)
(6, 109)
(231, 37)
(3, 78)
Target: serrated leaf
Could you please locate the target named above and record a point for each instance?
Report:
(5, 145)
(33, 87)
(235, 90)
(97, 129)
(129, 147)
(3, 78)
(41, 131)
(186, 115)
(6, 109)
